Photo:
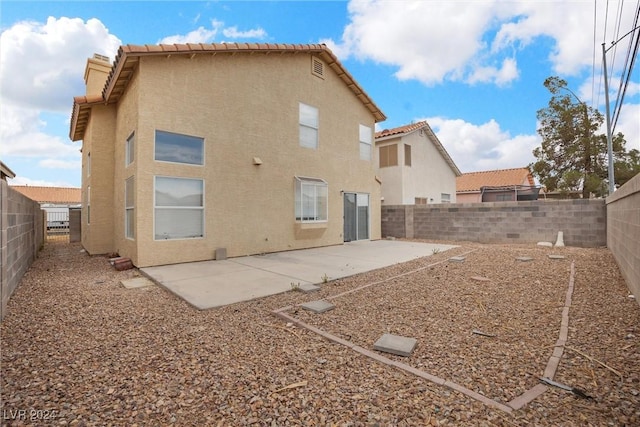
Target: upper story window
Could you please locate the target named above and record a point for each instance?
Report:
(129, 152)
(407, 155)
(388, 155)
(308, 119)
(178, 148)
(365, 142)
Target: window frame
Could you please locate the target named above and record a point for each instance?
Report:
(384, 155)
(445, 198)
(129, 150)
(155, 148)
(304, 127)
(366, 142)
(299, 208)
(129, 229)
(157, 207)
(407, 155)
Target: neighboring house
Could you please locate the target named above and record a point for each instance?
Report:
(199, 151)
(56, 201)
(414, 167)
(496, 185)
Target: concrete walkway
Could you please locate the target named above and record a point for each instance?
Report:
(209, 284)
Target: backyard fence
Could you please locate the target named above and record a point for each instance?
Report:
(22, 235)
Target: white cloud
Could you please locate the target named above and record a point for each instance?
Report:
(233, 33)
(483, 147)
(60, 164)
(21, 131)
(433, 41)
(43, 63)
(205, 35)
(629, 125)
(199, 35)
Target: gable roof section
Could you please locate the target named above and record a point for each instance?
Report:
(414, 127)
(62, 195)
(473, 181)
(129, 56)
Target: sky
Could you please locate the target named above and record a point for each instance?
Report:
(474, 70)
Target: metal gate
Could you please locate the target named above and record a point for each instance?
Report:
(58, 225)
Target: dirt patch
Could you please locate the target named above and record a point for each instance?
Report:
(79, 345)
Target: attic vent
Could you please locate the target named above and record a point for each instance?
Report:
(317, 67)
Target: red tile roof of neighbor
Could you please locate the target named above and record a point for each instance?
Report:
(61, 195)
(471, 182)
(407, 129)
(128, 58)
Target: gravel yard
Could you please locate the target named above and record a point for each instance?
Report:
(77, 348)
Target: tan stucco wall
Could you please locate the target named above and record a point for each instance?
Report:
(428, 176)
(97, 233)
(244, 107)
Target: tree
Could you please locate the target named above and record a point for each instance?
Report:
(572, 157)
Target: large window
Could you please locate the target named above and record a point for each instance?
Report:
(173, 147)
(365, 142)
(129, 209)
(129, 153)
(179, 208)
(308, 126)
(311, 200)
(388, 155)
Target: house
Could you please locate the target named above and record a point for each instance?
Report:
(496, 185)
(56, 201)
(414, 167)
(201, 151)
(5, 172)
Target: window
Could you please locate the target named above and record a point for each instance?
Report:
(129, 211)
(88, 164)
(308, 126)
(388, 155)
(179, 208)
(311, 200)
(173, 147)
(445, 198)
(88, 205)
(407, 155)
(129, 153)
(365, 142)
(420, 200)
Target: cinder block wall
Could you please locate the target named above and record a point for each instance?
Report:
(22, 236)
(623, 232)
(583, 222)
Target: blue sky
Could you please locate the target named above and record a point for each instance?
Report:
(473, 69)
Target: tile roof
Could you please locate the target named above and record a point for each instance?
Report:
(129, 56)
(410, 128)
(472, 181)
(62, 195)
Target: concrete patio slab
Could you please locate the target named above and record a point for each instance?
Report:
(136, 282)
(319, 306)
(395, 344)
(208, 284)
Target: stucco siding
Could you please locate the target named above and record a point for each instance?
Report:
(244, 107)
(97, 183)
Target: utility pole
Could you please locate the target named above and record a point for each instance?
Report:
(612, 186)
